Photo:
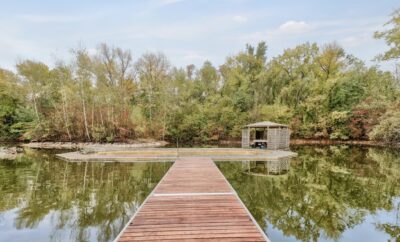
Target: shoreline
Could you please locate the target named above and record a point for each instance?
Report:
(368, 143)
(91, 145)
(155, 144)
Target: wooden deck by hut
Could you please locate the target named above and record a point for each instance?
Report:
(269, 135)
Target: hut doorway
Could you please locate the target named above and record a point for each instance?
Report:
(259, 134)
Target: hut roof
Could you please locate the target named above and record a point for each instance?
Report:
(265, 124)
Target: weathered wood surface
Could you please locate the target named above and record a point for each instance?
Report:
(193, 202)
(171, 154)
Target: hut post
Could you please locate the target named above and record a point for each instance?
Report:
(245, 137)
(286, 138)
(282, 138)
(272, 139)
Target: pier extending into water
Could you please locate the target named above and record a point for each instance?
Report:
(193, 202)
(172, 154)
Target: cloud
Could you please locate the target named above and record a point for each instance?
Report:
(183, 57)
(43, 19)
(239, 19)
(348, 32)
(190, 30)
(295, 27)
(168, 24)
(151, 6)
(357, 40)
(48, 19)
(194, 56)
(288, 29)
(161, 3)
(350, 41)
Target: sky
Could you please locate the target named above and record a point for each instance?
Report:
(188, 31)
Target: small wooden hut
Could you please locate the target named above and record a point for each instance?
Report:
(267, 135)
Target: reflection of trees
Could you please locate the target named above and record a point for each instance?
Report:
(327, 190)
(78, 196)
(392, 229)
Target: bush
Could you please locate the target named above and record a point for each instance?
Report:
(338, 124)
(388, 130)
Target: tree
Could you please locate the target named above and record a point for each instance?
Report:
(391, 37)
(329, 61)
(14, 117)
(243, 78)
(152, 72)
(292, 72)
(206, 82)
(83, 78)
(35, 74)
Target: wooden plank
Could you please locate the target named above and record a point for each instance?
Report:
(193, 202)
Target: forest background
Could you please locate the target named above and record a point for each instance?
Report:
(321, 92)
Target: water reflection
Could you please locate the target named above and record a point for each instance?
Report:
(268, 167)
(45, 199)
(335, 193)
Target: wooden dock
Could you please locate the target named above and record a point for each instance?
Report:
(171, 154)
(193, 202)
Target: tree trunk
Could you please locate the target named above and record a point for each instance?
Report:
(84, 177)
(65, 115)
(92, 115)
(150, 111)
(164, 120)
(101, 118)
(85, 119)
(35, 105)
(84, 113)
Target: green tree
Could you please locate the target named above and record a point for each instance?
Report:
(391, 37)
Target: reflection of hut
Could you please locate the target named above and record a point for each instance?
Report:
(262, 168)
(278, 166)
(266, 134)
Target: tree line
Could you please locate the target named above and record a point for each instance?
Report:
(319, 90)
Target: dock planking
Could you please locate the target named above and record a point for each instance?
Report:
(193, 202)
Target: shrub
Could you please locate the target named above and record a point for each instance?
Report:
(388, 130)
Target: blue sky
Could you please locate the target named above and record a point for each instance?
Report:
(187, 31)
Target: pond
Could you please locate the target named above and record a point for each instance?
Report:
(330, 193)
(45, 199)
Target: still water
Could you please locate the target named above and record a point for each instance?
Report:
(331, 193)
(45, 199)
